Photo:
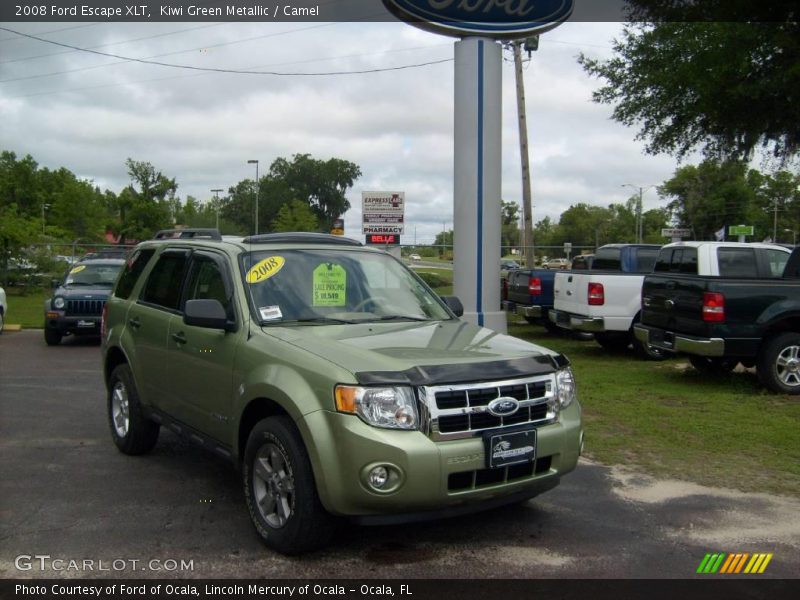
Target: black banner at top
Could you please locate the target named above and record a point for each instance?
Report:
(12, 11)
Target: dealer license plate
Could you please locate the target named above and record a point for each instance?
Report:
(510, 448)
(85, 323)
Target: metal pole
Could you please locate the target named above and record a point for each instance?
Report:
(527, 206)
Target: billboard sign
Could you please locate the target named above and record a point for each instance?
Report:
(382, 212)
(510, 20)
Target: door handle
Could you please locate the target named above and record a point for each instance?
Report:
(134, 322)
(179, 337)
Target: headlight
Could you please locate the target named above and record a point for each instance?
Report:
(389, 407)
(58, 302)
(565, 387)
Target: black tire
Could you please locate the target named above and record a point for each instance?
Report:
(613, 341)
(646, 351)
(52, 337)
(132, 432)
(280, 491)
(713, 366)
(778, 364)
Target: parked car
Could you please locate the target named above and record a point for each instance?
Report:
(582, 262)
(3, 309)
(605, 300)
(339, 382)
(78, 300)
(509, 265)
(726, 303)
(414, 257)
(556, 263)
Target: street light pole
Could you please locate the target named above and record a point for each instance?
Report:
(216, 204)
(255, 162)
(639, 219)
(44, 207)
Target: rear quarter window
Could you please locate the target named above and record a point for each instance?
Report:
(737, 262)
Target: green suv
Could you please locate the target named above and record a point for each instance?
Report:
(338, 382)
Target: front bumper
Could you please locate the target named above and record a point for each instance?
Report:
(81, 325)
(672, 342)
(436, 478)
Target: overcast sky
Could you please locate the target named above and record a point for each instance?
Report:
(89, 113)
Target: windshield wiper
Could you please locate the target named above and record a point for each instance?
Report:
(399, 318)
(322, 320)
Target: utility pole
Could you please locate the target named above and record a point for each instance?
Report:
(255, 162)
(527, 204)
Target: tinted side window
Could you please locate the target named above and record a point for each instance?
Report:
(207, 282)
(777, 262)
(664, 261)
(688, 261)
(133, 269)
(737, 262)
(163, 286)
(646, 259)
(607, 259)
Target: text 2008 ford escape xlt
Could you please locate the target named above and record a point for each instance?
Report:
(335, 378)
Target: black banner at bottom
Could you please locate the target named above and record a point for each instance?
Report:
(410, 589)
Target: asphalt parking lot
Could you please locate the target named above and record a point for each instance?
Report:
(66, 493)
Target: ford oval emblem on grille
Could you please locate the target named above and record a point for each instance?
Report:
(503, 406)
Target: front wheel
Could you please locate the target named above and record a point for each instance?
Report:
(280, 491)
(52, 337)
(778, 365)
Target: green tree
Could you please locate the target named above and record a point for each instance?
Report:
(147, 204)
(710, 195)
(707, 79)
(509, 227)
(16, 231)
(295, 216)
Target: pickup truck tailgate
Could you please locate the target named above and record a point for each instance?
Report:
(570, 291)
(674, 303)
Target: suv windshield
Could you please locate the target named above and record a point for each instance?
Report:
(93, 274)
(335, 286)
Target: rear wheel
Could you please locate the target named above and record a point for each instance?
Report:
(778, 365)
(52, 337)
(713, 366)
(132, 432)
(613, 341)
(280, 490)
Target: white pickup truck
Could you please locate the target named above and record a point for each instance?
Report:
(606, 300)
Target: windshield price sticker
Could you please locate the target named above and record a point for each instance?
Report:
(270, 313)
(330, 285)
(265, 269)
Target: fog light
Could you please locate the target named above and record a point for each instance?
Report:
(378, 477)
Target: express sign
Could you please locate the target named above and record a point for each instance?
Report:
(499, 19)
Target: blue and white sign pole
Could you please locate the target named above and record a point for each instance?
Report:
(478, 127)
(476, 180)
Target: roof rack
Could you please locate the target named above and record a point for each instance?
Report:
(300, 238)
(190, 232)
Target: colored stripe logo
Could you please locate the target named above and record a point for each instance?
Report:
(734, 563)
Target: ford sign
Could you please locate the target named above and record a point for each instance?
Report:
(503, 406)
(498, 19)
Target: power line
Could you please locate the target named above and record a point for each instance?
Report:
(212, 69)
(13, 39)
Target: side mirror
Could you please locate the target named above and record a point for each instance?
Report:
(454, 304)
(206, 313)
(54, 283)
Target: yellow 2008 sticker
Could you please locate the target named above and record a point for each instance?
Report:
(77, 269)
(265, 269)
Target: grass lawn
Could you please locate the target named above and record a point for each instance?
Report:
(667, 419)
(662, 418)
(26, 306)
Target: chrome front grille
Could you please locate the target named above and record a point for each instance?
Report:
(459, 411)
(85, 307)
